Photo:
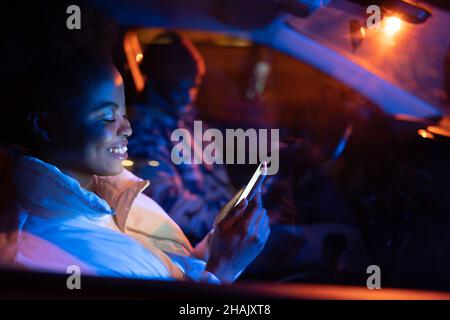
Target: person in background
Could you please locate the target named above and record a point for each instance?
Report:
(191, 193)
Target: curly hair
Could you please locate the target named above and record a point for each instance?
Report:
(171, 55)
(47, 66)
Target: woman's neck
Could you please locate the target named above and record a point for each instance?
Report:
(85, 180)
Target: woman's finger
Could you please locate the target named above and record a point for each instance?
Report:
(263, 231)
(253, 216)
(267, 235)
(264, 223)
(234, 215)
(227, 208)
(257, 200)
(254, 220)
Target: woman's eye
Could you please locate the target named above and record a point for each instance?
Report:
(112, 117)
(108, 117)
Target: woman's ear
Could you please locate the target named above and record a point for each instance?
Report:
(39, 123)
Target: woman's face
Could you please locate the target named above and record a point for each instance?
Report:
(92, 138)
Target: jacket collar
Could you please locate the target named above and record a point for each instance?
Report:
(120, 191)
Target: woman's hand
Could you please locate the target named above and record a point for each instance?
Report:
(238, 239)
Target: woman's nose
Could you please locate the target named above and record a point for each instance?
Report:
(125, 128)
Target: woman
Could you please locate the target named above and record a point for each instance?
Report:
(75, 203)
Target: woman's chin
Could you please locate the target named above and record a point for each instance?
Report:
(113, 164)
(116, 170)
(113, 170)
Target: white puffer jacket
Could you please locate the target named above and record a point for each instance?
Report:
(116, 231)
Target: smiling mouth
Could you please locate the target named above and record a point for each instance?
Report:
(119, 152)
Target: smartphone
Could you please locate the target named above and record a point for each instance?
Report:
(255, 181)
